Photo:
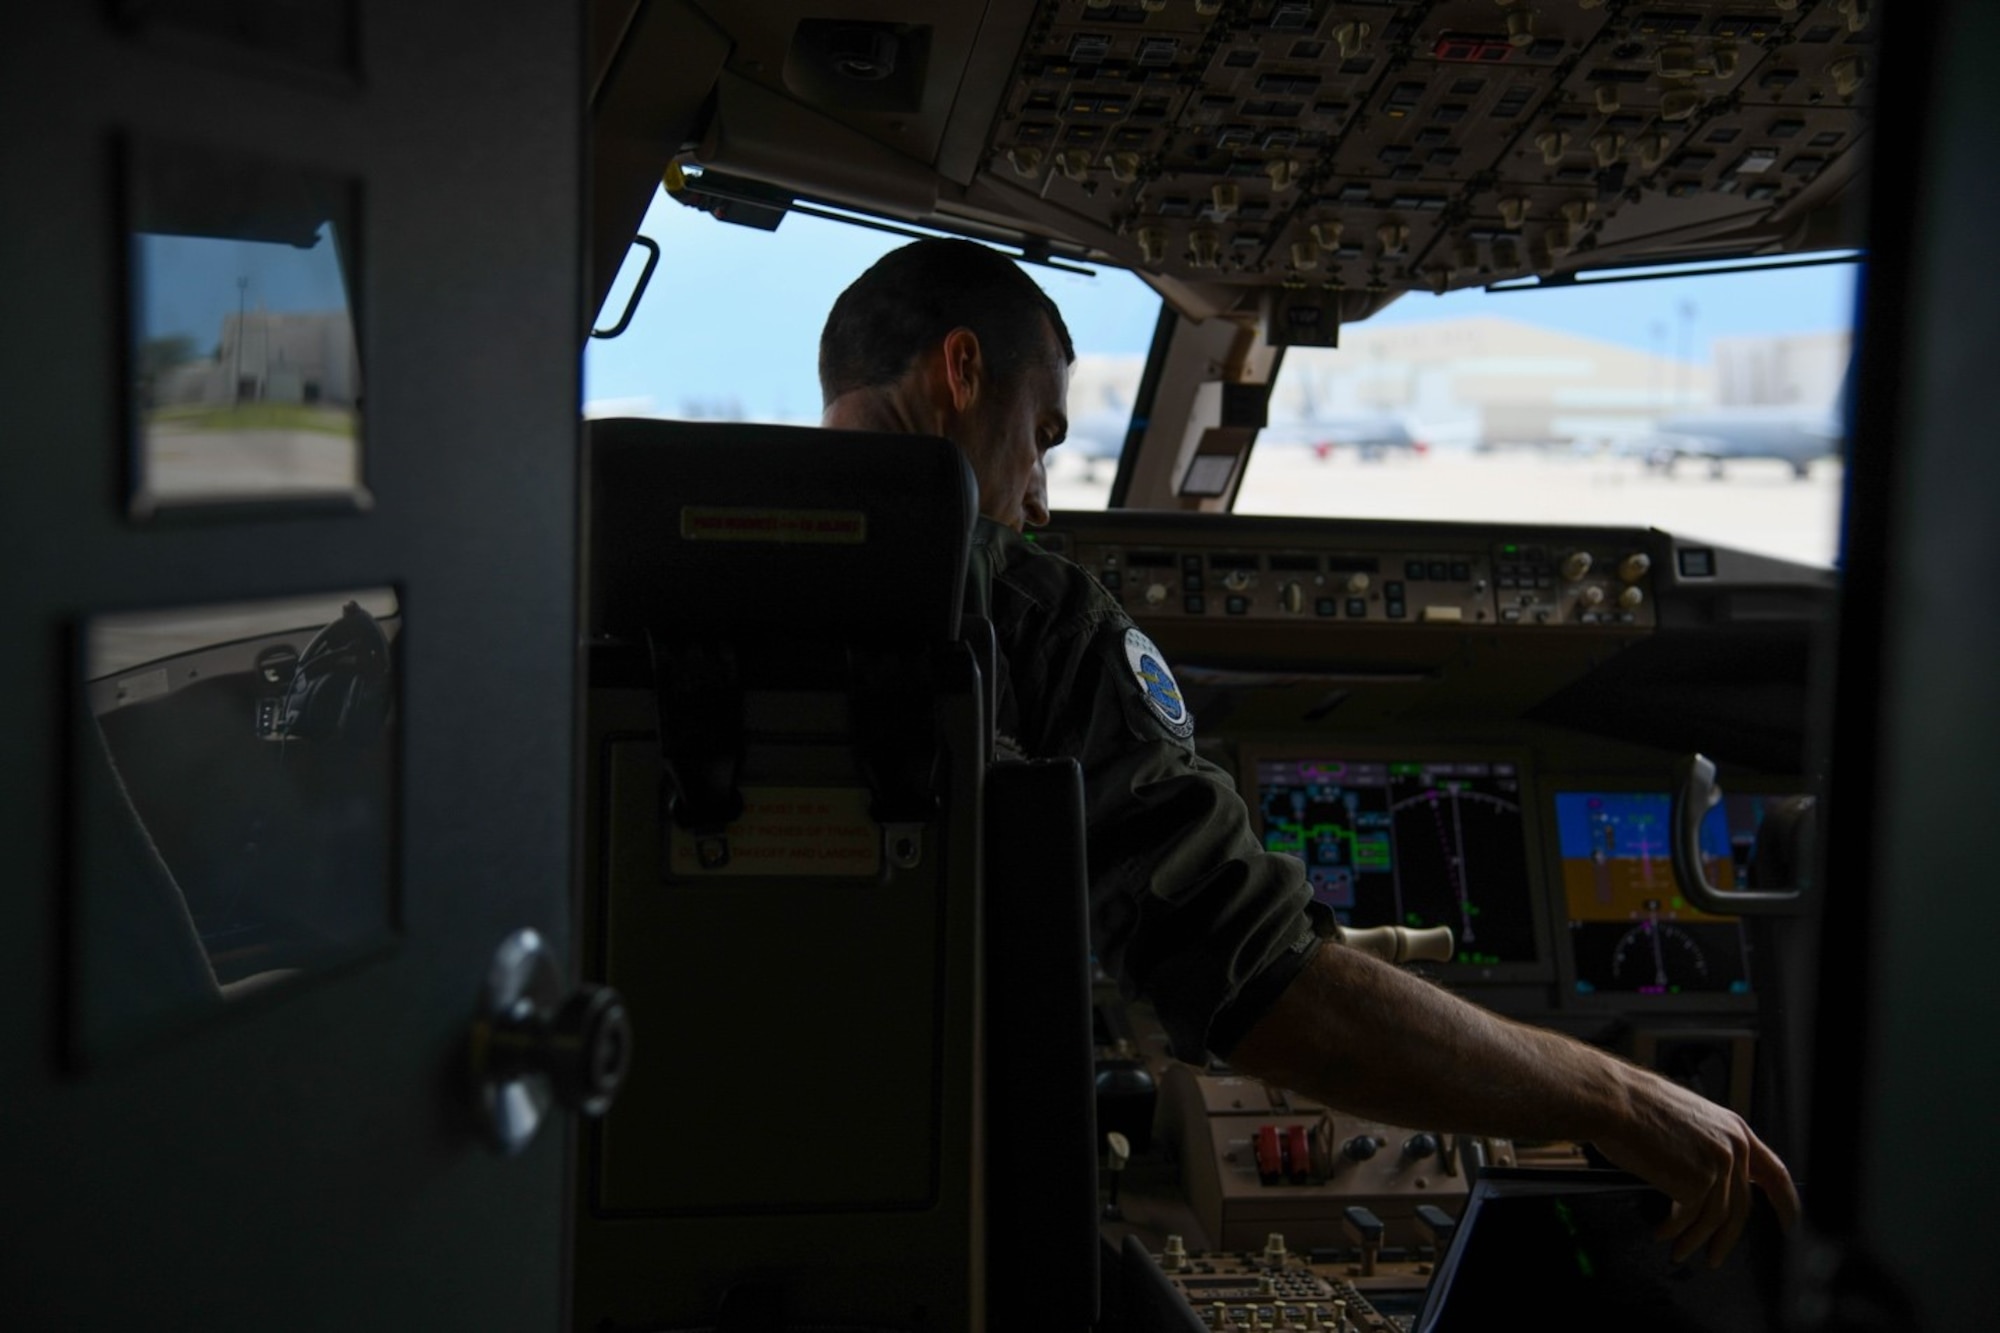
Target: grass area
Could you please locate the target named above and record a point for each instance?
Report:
(257, 416)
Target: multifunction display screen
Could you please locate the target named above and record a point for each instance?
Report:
(1630, 930)
(1419, 843)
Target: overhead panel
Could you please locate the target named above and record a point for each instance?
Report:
(1382, 147)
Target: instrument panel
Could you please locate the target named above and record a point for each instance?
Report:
(1540, 876)
(1595, 581)
(1381, 704)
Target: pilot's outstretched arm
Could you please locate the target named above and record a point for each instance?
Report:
(1359, 1034)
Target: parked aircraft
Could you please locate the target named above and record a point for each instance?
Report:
(1784, 434)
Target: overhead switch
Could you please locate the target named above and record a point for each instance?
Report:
(1848, 73)
(1679, 104)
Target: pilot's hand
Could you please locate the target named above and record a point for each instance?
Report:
(1704, 1158)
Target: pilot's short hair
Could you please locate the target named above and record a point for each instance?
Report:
(909, 299)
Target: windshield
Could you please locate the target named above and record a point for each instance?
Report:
(729, 329)
(1707, 406)
(1704, 406)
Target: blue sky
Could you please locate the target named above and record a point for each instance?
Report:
(190, 282)
(733, 314)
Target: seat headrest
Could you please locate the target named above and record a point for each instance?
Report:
(699, 529)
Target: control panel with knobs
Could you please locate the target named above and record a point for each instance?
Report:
(1253, 1157)
(1473, 581)
(1277, 1290)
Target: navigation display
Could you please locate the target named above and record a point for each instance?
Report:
(1630, 930)
(1419, 843)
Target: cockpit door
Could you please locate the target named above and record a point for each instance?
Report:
(262, 861)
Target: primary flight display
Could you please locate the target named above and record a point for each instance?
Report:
(1416, 843)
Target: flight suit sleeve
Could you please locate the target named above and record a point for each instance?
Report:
(1187, 908)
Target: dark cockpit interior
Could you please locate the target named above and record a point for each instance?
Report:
(1473, 732)
(797, 1020)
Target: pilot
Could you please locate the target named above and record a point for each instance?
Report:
(1188, 910)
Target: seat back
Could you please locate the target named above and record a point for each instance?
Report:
(1042, 1142)
(784, 778)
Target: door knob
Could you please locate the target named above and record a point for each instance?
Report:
(533, 1048)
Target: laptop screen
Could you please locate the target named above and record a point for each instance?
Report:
(1575, 1250)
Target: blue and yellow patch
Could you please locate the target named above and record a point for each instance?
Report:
(1161, 691)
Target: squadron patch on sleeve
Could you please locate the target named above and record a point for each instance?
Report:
(1157, 685)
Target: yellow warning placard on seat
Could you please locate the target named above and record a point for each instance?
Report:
(787, 831)
(848, 527)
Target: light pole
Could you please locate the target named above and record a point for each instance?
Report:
(1687, 350)
(242, 304)
(1653, 396)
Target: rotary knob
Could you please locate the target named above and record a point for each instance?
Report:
(1419, 1146)
(1360, 1148)
(1575, 565)
(1156, 594)
(1292, 597)
(1632, 598)
(1357, 584)
(1591, 596)
(1633, 567)
(1236, 580)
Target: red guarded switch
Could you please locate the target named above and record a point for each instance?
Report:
(1270, 1158)
(1298, 1157)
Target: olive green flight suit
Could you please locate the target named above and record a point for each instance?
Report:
(1187, 908)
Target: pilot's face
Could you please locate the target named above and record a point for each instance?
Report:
(1007, 431)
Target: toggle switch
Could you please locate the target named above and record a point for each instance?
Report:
(1367, 1228)
(1436, 1225)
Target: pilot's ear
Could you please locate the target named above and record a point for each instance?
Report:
(965, 369)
